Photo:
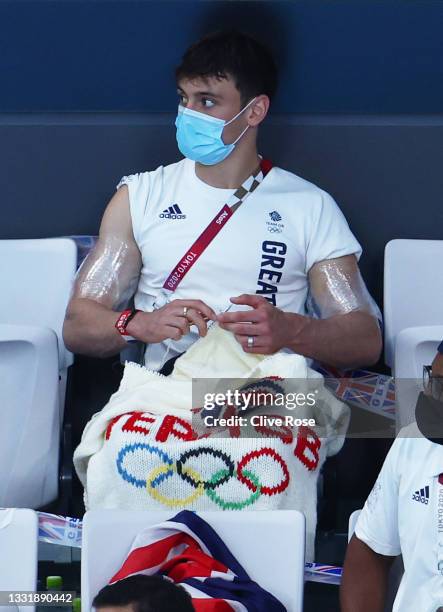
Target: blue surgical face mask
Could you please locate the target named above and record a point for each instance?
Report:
(199, 136)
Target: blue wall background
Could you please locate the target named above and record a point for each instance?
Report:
(87, 95)
(336, 57)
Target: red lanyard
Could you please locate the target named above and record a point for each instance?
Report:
(218, 222)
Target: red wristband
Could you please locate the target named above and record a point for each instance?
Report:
(123, 320)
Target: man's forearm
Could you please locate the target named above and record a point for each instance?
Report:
(365, 579)
(89, 329)
(344, 341)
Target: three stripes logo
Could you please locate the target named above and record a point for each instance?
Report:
(172, 212)
(422, 495)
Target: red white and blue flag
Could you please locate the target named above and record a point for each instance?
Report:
(188, 551)
(363, 389)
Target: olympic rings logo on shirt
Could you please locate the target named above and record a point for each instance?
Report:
(168, 468)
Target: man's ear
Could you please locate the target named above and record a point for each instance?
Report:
(258, 110)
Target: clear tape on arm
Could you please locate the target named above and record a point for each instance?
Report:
(339, 289)
(110, 273)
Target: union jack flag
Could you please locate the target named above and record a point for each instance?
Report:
(187, 550)
(62, 530)
(361, 388)
(329, 574)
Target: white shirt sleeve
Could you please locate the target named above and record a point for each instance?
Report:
(377, 525)
(330, 235)
(138, 187)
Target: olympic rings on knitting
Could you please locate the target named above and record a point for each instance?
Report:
(160, 474)
(139, 446)
(205, 450)
(231, 505)
(245, 479)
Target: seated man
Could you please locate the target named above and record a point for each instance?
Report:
(286, 236)
(403, 515)
(139, 593)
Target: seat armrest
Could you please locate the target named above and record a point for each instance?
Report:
(43, 338)
(413, 347)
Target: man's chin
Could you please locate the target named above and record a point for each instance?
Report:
(429, 418)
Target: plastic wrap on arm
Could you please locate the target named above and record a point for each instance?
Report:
(110, 272)
(337, 287)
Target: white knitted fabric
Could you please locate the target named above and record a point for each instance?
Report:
(142, 451)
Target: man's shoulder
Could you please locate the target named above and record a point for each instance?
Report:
(412, 446)
(289, 181)
(147, 177)
(309, 196)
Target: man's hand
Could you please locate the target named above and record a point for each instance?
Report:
(437, 365)
(170, 321)
(266, 324)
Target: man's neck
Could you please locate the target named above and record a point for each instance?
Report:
(231, 172)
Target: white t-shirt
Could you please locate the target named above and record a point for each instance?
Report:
(268, 247)
(404, 515)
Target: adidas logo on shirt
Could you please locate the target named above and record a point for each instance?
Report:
(422, 495)
(172, 212)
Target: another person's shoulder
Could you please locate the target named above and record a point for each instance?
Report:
(410, 451)
(413, 446)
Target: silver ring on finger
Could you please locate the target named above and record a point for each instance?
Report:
(250, 341)
(185, 311)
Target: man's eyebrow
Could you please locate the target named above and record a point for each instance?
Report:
(201, 93)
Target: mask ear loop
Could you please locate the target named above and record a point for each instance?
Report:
(240, 112)
(237, 139)
(237, 115)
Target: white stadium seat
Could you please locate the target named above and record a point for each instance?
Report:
(260, 540)
(413, 316)
(18, 552)
(36, 278)
(413, 288)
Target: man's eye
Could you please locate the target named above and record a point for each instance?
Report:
(210, 105)
(180, 98)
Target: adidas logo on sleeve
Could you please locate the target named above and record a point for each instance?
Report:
(422, 495)
(172, 212)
